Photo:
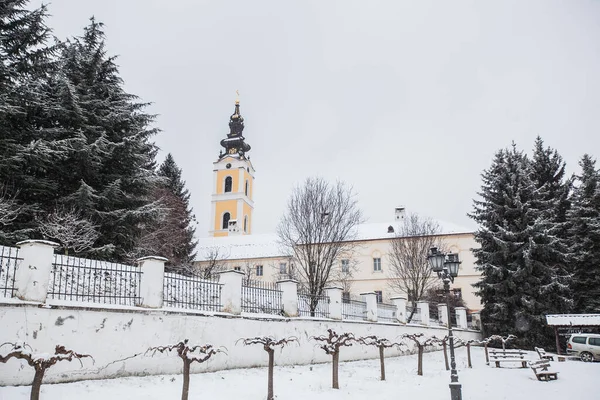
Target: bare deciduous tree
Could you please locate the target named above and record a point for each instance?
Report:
(409, 272)
(186, 353)
(9, 207)
(331, 345)
(318, 227)
(421, 342)
(215, 259)
(72, 230)
(269, 344)
(381, 344)
(467, 344)
(444, 343)
(40, 362)
(486, 342)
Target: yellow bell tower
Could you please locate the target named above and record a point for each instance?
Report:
(233, 183)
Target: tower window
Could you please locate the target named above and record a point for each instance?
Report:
(226, 218)
(245, 224)
(228, 183)
(247, 187)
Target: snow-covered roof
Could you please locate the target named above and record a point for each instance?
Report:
(379, 230)
(573, 319)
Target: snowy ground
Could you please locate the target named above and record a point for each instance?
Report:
(358, 380)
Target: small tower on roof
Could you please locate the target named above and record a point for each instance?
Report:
(232, 205)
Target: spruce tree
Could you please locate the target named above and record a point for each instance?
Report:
(584, 220)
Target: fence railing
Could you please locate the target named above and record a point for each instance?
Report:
(354, 309)
(386, 312)
(85, 280)
(312, 306)
(9, 262)
(191, 292)
(261, 297)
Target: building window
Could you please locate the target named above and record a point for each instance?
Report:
(377, 264)
(346, 266)
(246, 190)
(245, 224)
(228, 184)
(346, 297)
(457, 293)
(226, 218)
(291, 270)
(237, 268)
(259, 270)
(282, 268)
(379, 295)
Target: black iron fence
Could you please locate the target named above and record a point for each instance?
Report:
(95, 281)
(416, 316)
(311, 305)
(9, 262)
(191, 292)
(386, 312)
(354, 309)
(261, 297)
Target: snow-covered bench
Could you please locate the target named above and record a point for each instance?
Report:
(542, 353)
(540, 369)
(508, 356)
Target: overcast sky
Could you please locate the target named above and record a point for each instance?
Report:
(405, 100)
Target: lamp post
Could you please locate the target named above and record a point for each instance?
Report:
(446, 267)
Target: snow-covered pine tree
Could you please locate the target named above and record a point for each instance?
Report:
(517, 259)
(584, 230)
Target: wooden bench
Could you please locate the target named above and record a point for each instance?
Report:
(540, 369)
(508, 356)
(542, 353)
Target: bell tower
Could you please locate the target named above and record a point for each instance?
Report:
(233, 183)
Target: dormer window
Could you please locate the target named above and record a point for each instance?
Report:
(228, 184)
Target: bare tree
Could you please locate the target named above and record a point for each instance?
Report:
(381, 344)
(467, 344)
(409, 272)
(186, 353)
(269, 344)
(40, 362)
(331, 345)
(444, 343)
(9, 207)
(215, 259)
(486, 342)
(318, 227)
(343, 276)
(72, 230)
(421, 342)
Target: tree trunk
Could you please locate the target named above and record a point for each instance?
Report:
(186, 380)
(420, 365)
(382, 363)
(336, 359)
(469, 355)
(487, 357)
(446, 355)
(37, 384)
(270, 385)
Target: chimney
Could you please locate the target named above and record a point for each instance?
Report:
(400, 212)
(233, 227)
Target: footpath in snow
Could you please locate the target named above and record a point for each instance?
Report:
(359, 380)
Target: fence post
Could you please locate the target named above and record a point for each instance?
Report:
(335, 302)
(371, 300)
(423, 307)
(231, 293)
(289, 296)
(400, 303)
(461, 317)
(443, 314)
(152, 281)
(33, 274)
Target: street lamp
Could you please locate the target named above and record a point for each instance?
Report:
(446, 267)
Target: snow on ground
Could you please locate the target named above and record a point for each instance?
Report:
(358, 380)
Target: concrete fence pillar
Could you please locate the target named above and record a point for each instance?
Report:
(423, 307)
(400, 303)
(33, 274)
(153, 276)
(371, 300)
(461, 317)
(289, 296)
(443, 314)
(231, 291)
(335, 302)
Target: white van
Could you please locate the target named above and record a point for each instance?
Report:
(584, 345)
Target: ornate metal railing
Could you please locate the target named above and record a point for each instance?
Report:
(191, 292)
(354, 309)
(9, 262)
(95, 281)
(261, 297)
(312, 306)
(386, 312)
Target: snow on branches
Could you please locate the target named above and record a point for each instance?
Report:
(421, 341)
(381, 344)
(331, 344)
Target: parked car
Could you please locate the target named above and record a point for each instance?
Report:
(584, 345)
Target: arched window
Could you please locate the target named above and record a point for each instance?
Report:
(247, 184)
(226, 218)
(228, 183)
(245, 224)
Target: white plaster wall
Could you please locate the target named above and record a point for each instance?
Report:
(115, 334)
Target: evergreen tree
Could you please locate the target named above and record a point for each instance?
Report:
(584, 219)
(519, 259)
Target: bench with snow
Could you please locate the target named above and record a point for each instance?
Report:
(508, 356)
(542, 353)
(540, 369)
